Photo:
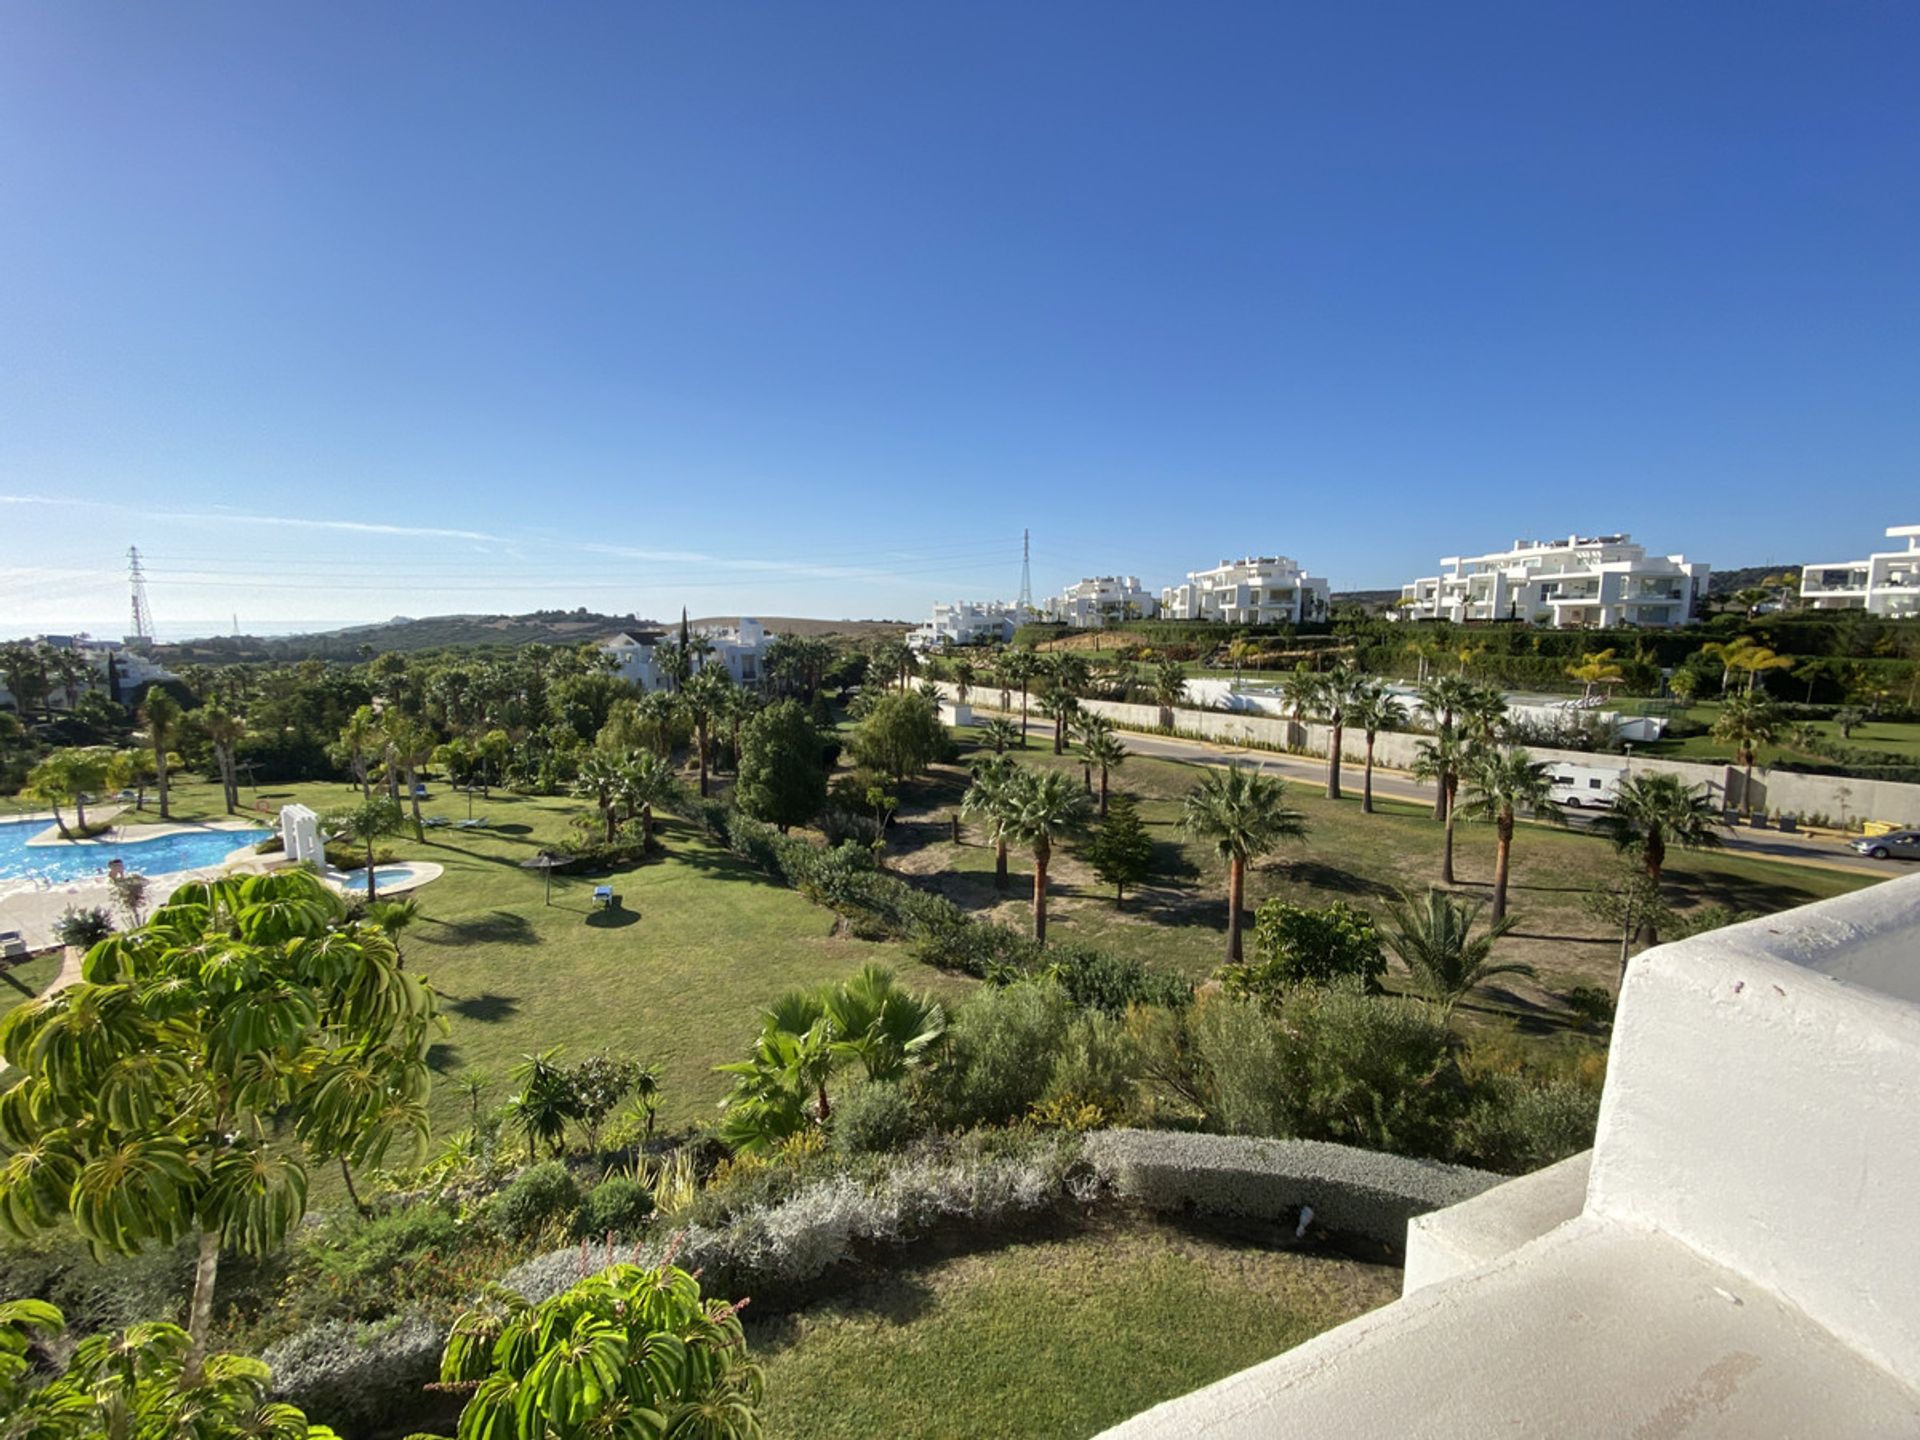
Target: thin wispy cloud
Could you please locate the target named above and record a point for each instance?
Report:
(223, 515)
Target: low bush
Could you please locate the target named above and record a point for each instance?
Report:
(1297, 944)
(361, 1378)
(1098, 1064)
(538, 1198)
(872, 1118)
(1517, 1124)
(1000, 1053)
(619, 1206)
(1101, 981)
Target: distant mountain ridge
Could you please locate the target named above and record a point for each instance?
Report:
(404, 634)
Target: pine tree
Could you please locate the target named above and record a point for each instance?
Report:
(1120, 851)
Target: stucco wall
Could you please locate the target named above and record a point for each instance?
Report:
(1836, 797)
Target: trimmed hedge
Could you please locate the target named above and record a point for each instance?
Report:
(1355, 1192)
(361, 1378)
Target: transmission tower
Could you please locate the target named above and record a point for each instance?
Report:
(1026, 570)
(142, 612)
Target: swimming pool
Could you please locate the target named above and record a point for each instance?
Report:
(87, 860)
(386, 877)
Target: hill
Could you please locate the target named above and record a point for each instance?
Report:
(540, 627)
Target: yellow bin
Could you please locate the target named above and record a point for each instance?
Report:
(1877, 827)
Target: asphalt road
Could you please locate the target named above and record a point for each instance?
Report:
(1393, 784)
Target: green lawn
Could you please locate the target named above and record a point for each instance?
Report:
(678, 975)
(1180, 920)
(1901, 739)
(35, 974)
(1057, 1337)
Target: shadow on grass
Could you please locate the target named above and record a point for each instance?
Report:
(488, 1007)
(1736, 892)
(515, 829)
(442, 1057)
(613, 919)
(1322, 876)
(503, 927)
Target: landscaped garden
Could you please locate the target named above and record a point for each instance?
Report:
(810, 1048)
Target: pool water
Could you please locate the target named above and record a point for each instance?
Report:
(355, 881)
(87, 860)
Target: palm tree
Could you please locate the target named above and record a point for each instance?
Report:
(880, 1025)
(1169, 687)
(1104, 750)
(1060, 706)
(1243, 815)
(390, 918)
(644, 781)
(1499, 784)
(990, 799)
(1043, 806)
(1340, 690)
(1435, 941)
(738, 705)
(659, 711)
(1442, 697)
(703, 700)
(223, 731)
(964, 677)
(1090, 726)
(599, 780)
(1596, 667)
(1376, 709)
(1000, 733)
(1483, 711)
(1441, 760)
(1654, 809)
(1300, 688)
(364, 824)
(410, 745)
(132, 770)
(1748, 721)
(161, 715)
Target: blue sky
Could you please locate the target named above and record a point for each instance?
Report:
(345, 311)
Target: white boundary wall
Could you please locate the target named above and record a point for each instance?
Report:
(1838, 798)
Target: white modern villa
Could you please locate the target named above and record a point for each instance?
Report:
(740, 648)
(1579, 581)
(968, 622)
(1263, 590)
(1885, 583)
(113, 669)
(1100, 600)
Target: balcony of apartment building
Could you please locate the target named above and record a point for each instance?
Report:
(1733, 1258)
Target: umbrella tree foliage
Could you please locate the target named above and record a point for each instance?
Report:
(151, 1092)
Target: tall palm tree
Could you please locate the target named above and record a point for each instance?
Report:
(1500, 783)
(223, 730)
(1043, 806)
(1243, 815)
(1300, 687)
(1655, 809)
(1061, 707)
(1441, 760)
(1341, 690)
(1090, 726)
(365, 824)
(1377, 709)
(1104, 751)
(990, 800)
(410, 744)
(1596, 667)
(964, 677)
(1443, 697)
(1483, 713)
(703, 700)
(1748, 721)
(1435, 941)
(162, 716)
(659, 710)
(738, 705)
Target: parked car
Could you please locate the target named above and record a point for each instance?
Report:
(1894, 845)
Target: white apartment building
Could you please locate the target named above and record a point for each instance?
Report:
(968, 622)
(1579, 581)
(1101, 600)
(741, 649)
(112, 669)
(1885, 583)
(1263, 590)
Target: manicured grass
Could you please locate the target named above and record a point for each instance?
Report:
(1901, 739)
(677, 975)
(1180, 920)
(1056, 1337)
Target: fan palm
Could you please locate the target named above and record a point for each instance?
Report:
(1105, 751)
(1042, 807)
(1243, 815)
(989, 799)
(1000, 733)
(1169, 687)
(1443, 697)
(659, 712)
(1341, 690)
(1656, 809)
(643, 780)
(599, 780)
(1441, 760)
(1500, 783)
(1748, 721)
(1090, 727)
(162, 716)
(704, 699)
(1435, 941)
(1376, 709)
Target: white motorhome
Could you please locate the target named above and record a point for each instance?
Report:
(1585, 786)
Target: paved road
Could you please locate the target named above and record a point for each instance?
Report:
(1396, 785)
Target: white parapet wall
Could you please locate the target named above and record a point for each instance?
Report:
(1739, 1260)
